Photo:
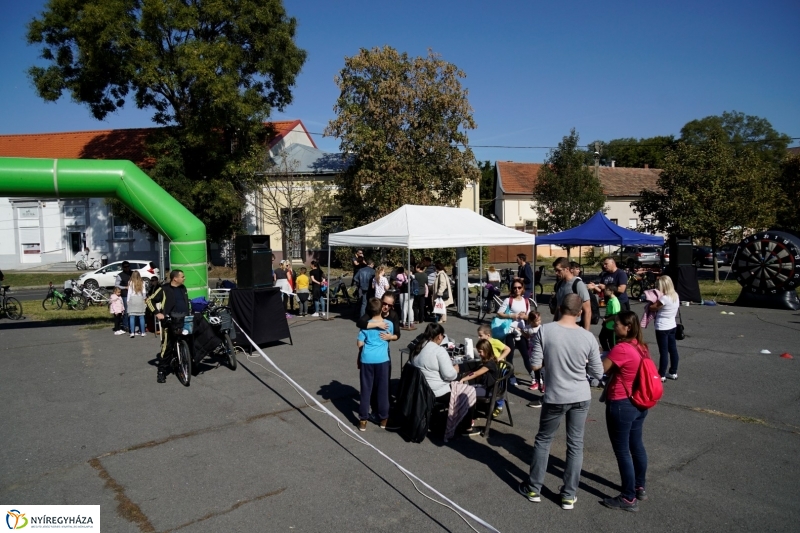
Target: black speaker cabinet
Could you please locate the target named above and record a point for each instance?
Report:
(253, 261)
(680, 250)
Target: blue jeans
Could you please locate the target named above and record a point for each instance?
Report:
(548, 424)
(132, 323)
(374, 375)
(624, 422)
(668, 351)
(364, 298)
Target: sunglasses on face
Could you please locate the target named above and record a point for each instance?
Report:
(384, 304)
(517, 288)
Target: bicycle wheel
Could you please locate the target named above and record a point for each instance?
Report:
(81, 302)
(80, 265)
(230, 350)
(485, 304)
(635, 290)
(51, 303)
(13, 308)
(184, 361)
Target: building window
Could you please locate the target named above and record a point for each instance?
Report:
(530, 226)
(633, 222)
(329, 225)
(615, 221)
(294, 234)
(121, 230)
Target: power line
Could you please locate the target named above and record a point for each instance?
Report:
(661, 145)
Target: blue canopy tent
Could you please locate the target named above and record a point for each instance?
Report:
(598, 231)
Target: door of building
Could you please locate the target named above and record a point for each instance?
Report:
(75, 244)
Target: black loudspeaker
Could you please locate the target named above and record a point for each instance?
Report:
(680, 250)
(253, 261)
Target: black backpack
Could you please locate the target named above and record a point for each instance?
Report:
(593, 301)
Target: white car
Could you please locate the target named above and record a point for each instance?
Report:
(105, 276)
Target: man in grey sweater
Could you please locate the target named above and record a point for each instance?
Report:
(563, 348)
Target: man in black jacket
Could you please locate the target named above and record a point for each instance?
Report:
(171, 297)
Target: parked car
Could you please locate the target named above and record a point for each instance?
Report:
(730, 252)
(638, 255)
(702, 256)
(105, 276)
(665, 255)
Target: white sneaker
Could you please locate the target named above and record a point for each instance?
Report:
(133, 335)
(315, 314)
(119, 332)
(144, 334)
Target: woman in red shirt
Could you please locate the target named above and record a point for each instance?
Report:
(624, 420)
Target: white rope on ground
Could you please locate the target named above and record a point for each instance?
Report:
(358, 438)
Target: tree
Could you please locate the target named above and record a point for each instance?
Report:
(634, 153)
(488, 184)
(742, 131)
(211, 71)
(788, 216)
(287, 197)
(404, 121)
(706, 190)
(567, 193)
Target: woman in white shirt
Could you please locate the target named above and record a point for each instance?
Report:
(667, 308)
(380, 283)
(516, 308)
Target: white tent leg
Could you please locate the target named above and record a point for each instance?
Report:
(533, 292)
(480, 280)
(328, 292)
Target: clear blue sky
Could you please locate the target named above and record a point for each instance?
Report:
(534, 69)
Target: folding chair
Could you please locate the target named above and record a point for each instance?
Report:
(499, 392)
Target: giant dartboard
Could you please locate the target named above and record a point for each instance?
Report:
(768, 262)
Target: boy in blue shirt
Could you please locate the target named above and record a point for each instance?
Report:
(373, 363)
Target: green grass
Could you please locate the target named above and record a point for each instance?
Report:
(94, 314)
(35, 280)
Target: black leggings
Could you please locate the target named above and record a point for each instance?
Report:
(118, 322)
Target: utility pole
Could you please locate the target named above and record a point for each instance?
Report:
(597, 160)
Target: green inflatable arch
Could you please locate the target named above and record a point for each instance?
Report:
(80, 178)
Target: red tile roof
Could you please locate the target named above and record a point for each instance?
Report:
(519, 178)
(101, 144)
(793, 151)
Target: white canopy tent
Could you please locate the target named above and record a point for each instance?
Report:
(421, 226)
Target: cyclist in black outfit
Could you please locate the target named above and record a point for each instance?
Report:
(171, 297)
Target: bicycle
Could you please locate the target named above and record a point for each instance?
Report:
(54, 299)
(638, 283)
(220, 317)
(93, 296)
(86, 263)
(181, 358)
(490, 301)
(10, 305)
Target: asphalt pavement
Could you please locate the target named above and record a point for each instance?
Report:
(86, 423)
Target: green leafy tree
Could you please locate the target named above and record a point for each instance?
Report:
(210, 70)
(634, 153)
(488, 184)
(789, 181)
(404, 120)
(567, 192)
(743, 132)
(706, 190)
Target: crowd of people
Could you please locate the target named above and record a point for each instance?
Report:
(563, 359)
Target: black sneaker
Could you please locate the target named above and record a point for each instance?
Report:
(161, 377)
(472, 432)
(621, 504)
(641, 494)
(529, 493)
(536, 403)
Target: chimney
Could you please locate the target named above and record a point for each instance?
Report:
(646, 166)
(613, 163)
